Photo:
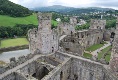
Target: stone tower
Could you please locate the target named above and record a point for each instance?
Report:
(97, 24)
(45, 39)
(44, 32)
(114, 54)
(73, 21)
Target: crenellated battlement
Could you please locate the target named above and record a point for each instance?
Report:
(44, 16)
(97, 24)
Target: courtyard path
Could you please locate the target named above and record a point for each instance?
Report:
(95, 53)
(19, 66)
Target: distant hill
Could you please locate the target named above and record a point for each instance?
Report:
(69, 10)
(12, 9)
(56, 8)
(102, 9)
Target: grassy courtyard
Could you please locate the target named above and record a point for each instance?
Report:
(87, 55)
(13, 42)
(95, 47)
(106, 50)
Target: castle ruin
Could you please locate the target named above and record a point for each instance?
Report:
(50, 58)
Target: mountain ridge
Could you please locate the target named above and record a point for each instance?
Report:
(65, 9)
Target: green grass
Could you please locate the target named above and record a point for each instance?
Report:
(55, 23)
(11, 21)
(87, 55)
(13, 42)
(94, 47)
(107, 58)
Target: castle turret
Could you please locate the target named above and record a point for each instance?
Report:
(114, 54)
(45, 39)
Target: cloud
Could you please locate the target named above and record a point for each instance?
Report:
(71, 3)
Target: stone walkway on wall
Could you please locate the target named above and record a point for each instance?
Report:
(95, 53)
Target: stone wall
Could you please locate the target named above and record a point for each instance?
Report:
(88, 70)
(29, 69)
(14, 48)
(61, 72)
(114, 53)
(32, 37)
(107, 34)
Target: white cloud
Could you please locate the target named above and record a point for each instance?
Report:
(71, 3)
(15, 1)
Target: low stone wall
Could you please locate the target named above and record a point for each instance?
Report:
(13, 62)
(14, 48)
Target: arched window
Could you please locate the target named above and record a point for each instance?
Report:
(61, 75)
(52, 49)
(112, 35)
(82, 36)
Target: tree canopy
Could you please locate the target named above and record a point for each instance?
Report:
(12, 9)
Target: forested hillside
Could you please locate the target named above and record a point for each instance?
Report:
(12, 9)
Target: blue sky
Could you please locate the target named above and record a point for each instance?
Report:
(70, 3)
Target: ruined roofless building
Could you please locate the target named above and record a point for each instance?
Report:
(45, 39)
(80, 40)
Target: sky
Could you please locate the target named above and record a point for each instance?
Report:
(70, 3)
